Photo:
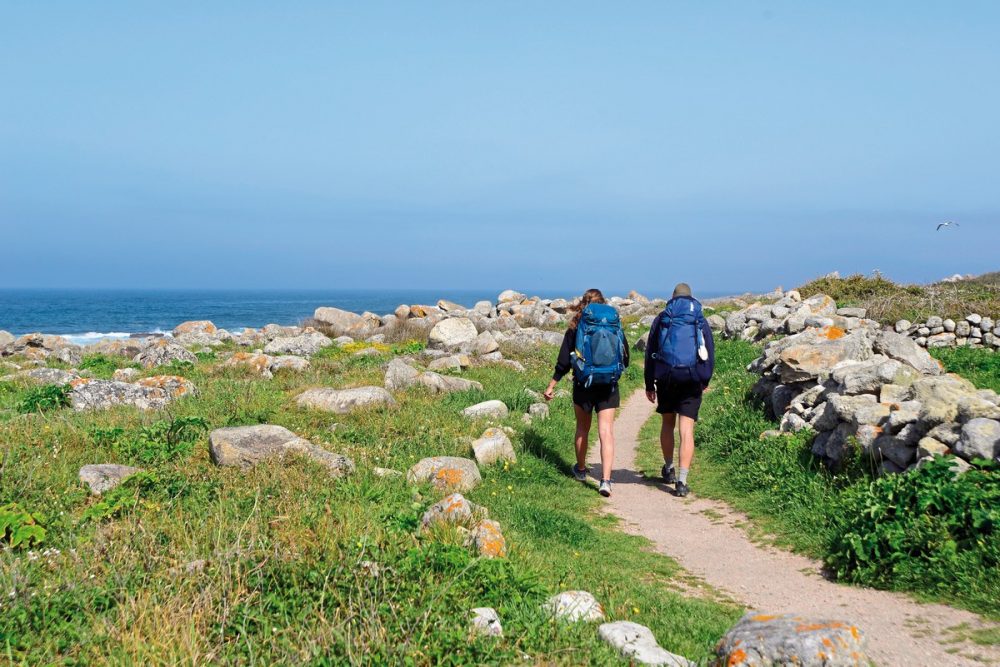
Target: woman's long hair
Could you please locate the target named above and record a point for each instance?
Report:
(590, 296)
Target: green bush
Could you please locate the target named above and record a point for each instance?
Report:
(44, 398)
(20, 528)
(926, 531)
(103, 366)
(159, 442)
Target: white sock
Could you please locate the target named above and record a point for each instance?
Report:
(682, 476)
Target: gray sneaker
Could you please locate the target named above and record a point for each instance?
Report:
(605, 488)
(581, 475)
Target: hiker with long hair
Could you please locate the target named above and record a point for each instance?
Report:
(596, 350)
(680, 358)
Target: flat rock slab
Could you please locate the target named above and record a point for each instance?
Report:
(445, 384)
(246, 446)
(344, 401)
(574, 606)
(303, 345)
(101, 477)
(447, 473)
(152, 393)
(637, 643)
(764, 640)
(487, 409)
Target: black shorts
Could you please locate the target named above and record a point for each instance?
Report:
(596, 397)
(682, 398)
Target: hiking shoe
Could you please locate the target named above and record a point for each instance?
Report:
(681, 489)
(581, 475)
(669, 474)
(605, 488)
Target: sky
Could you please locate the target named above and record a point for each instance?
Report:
(557, 145)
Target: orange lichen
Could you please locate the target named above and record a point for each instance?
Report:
(490, 540)
(763, 618)
(448, 477)
(812, 627)
(79, 382)
(832, 333)
(855, 632)
(737, 657)
(827, 643)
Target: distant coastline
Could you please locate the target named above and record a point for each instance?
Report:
(85, 316)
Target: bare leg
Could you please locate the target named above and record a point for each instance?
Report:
(606, 429)
(583, 420)
(667, 437)
(687, 441)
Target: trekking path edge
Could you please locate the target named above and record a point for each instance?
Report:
(900, 630)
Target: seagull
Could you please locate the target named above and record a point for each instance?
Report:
(946, 224)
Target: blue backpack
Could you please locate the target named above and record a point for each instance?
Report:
(680, 337)
(600, 345)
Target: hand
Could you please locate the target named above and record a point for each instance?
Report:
(706, 389)
(549, 393)
(651, 396)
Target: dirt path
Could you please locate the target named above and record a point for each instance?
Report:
(702, 536)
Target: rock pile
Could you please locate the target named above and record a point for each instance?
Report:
(974, 331)
(879, 389)
(789, 314)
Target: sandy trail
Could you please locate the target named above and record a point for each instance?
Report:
(703, 537)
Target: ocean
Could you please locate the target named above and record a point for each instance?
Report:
(86, 316)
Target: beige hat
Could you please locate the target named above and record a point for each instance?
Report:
(682, 289)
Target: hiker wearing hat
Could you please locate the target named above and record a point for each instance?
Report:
(595, 349)
(680, 358)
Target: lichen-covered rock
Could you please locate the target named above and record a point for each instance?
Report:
(245, 446)
(125, 374)
(451, 509)
(636, 643)
(195, 326)
(763, 640)
(574, 606)
(48, 376)
(344, 401)
(510, 296)
(538, 411)
(304, 345)
(445, 384)
(339, 321)
(492, 446)
(487, 409)
(446, 473)
(6, 338)
(152, 393)
(161, 352)
(903, 348)
(260, 363)
(488, 539)
(816, 355)
(485, 622)
(980, 439)
(940, 396)
(103, 477)
(452, 334)
(289, 362)
(400, 375)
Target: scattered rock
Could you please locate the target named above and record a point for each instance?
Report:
(452, 509)
(303, 345)
(762, 640)
(488, 540)
(485, 622)
(637, 643)
(493, 446)
(399, 375)
(386, 472)
(161, 352)
(152, 393)
(452, 334)
(125, 374)
(446, 473)
(539, 411)
(493, 409)
(344, 401)
(574, 606)
(195, 326)
(339, 321)
(103, 477)
(980, 439)
(246, 446)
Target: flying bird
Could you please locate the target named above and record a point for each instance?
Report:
(946, 224)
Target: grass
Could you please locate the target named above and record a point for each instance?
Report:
(191, 563)
(979, 366)
(889, 302)
(920, 532)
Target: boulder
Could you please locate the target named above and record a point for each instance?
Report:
(574, 606)
(399, 375)
(903, 348)
(974, 406)
(163, 351)
(446, 473)
(941, 340)
(980, 439)
(948, 433)
(860, 313)
(485, 622)
(246, 446)
(493, 446)
(903, 326)
(289, 362)
(819, 352)
(637, 644)
(450, 306)
(488, 540)
(446, 384)
(453, 509)
(303, 345)
(344, 401)
(538, 411)
(929, 446)
(103, 477)
(939, 397)
(867, 377)
(339, 321)
(487, 410)
(6, 338)
(821, 305)
(762, 640)
(195, 326)
(47, 376)
(452, 334)
(260, 363)
(510, 296)
(152, 393)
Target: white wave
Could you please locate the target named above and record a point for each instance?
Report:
(92, 337)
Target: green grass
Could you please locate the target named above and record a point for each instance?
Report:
(303, 569)
(920, 532)
(979, 366)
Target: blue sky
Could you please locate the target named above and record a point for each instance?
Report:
(735, 145)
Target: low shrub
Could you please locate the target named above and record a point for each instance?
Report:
(44, 398)
(159, 442)
(19, 527)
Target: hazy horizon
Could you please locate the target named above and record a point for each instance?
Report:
(733, 146)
